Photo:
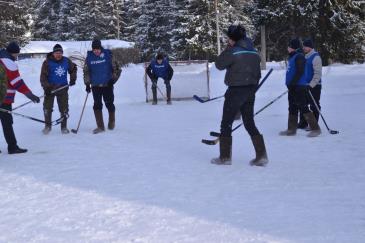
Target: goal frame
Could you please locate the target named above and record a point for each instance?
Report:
(175, 63)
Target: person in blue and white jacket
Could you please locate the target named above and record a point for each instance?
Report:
(313, 72)
(101, 72)
(160, 68)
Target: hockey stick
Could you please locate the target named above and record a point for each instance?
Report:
(203, 101)
(82, 112)
(217, 134)
(53, 123)
(161, 92)
(215, 141)
(28, 102)
(325, 123)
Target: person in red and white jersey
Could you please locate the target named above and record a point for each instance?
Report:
(15, 83)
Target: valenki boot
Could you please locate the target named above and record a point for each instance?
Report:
(261, 155)
(99, 122)
(225, 152)
(111, 123)
(315, 130)
(154, 94)
(292, 126)
(48, 120)
(64, 128)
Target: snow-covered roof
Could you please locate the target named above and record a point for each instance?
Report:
(71, 47)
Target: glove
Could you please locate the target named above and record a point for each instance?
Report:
(72, 82)
(33, 97)
(47, 91)
(111, 83)
(88, 89)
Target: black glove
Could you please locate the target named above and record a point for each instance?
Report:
(33, 97)
(72, 82)
(111, 83)
(47, 91)
(88, 89)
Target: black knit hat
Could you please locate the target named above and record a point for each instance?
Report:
(96, 44)
(159, 56)
(57, 48)
(13, 48)
(295, 44)
(308, 43)
(236, 32)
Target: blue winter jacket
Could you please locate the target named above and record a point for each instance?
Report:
(295, 74)
(100, 67)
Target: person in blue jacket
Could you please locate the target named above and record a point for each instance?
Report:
(160, 68)
(54, 75)
(297, 84)
(101, 72)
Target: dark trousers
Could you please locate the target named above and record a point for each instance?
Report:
(62, 101)
(241, 98)
(7, 123)
(168, 89)
(316, 92)
(106, 94)
(297, 98)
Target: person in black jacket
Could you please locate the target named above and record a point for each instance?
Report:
(242, 63)
(160, 68)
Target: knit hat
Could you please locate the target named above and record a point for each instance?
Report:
(236, 32)
(57, 48)
(13, 48)
(159, 56)
(295, 44)
(308, 43)
(96, 44)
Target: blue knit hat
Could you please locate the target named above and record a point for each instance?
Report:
(13, 48)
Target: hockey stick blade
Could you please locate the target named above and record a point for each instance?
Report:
(210, 142)
(74, 131)
(198, 99)
(333, 132)
(214, 134)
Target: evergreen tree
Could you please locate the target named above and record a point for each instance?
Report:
(13, 21)
(46, 25)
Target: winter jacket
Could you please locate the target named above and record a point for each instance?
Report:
(54, 73)
(313, 68)
(101, 70)
(163, 70)
(242, 63)
(14, 80)
(295, 74)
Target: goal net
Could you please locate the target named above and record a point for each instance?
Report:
(190, 78)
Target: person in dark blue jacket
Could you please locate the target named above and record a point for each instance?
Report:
(160, 68)
(297, 84)
(54, 75)
(101, 71)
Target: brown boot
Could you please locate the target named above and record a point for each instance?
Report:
(315, 130)
(292, 126)
(48, 120)
(225, 150)
(261, 155)
(99, 122)
(111, 123)
(64, 128)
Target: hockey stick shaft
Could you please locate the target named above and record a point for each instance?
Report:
(159, 90)
(320, 113)
(58, 121)
(42, 96)
(215, 141)
(82, 113)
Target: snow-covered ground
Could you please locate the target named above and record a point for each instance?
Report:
(150, 180)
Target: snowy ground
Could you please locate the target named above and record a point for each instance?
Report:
(150, 180)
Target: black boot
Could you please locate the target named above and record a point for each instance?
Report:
(260, 149)
(154, 94)
(17, 150)
(225, 152)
